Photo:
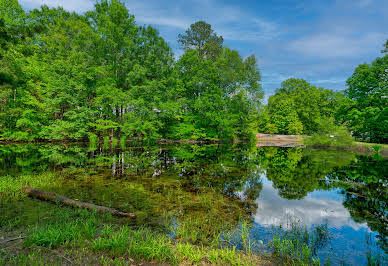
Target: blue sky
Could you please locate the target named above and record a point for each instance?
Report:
(321, 41)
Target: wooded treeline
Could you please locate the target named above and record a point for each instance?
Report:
(362, 109)
(67, 76)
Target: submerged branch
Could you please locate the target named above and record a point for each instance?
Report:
(49, 196)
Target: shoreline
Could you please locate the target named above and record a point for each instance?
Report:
(262, 140)
(295, 141)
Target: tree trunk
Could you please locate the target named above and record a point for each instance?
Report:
(49, 196)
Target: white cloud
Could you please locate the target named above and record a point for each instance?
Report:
(332, 80)
(70, 5)
(177, 15)
(323, 44)
(163, 21)
(254, 30)
(227, 22)
(335, 45)
(275, 210)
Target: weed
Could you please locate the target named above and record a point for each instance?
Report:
(53, 235)
(140, 244)
(296, 243)
(247, 243)
(374, 258)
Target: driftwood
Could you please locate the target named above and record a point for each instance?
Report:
(49, 196)
(13, 239)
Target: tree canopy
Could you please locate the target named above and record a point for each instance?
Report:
(298, 107)
(365, 109)
(385, 50)
(202, 38)
(70, 76)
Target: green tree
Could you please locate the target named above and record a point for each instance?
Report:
(297, 107)
(364, 185)
(202, 38)
(385, 47)
(288, 168)
(218, 98)
(365, 112)
(12, 13)
(69, 76)
(330, 134)
(284, 118)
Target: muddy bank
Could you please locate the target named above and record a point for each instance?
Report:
(275, 140)
(279, 138)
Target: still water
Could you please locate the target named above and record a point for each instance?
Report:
(215, 187)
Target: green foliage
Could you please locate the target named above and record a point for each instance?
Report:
(298, 245)
(11, 12)
(219, 98)
(328, 134)
(65, 76)
(140, 244)
(288, 168)
(283, 119)
(365, 110)
(385, 47)
(297, 107)
(203, 39)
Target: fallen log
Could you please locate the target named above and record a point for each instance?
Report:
(49, 196)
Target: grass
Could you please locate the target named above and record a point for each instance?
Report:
(82, 232)
(296, 244)
(136, 243)
(367, 144)
(10, 185)
(375, 258)
(87, 237)
(375, 147)
(64, 231)
(205, 222)
(203, 218)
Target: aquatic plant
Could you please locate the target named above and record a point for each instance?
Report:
(297, 243)
(374, 255)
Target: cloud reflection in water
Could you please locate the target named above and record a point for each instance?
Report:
(274, 210)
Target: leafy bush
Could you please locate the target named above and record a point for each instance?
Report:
(329, 134)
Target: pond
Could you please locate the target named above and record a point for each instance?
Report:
(197, 192)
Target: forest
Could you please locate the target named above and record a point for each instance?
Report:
(112, 118)
(69, 76)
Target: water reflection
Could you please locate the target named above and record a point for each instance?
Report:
(348, 192)
(274, 210)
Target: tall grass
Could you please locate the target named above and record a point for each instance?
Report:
(139, 244)
(298, 244)
(375, 258)
(10, 185)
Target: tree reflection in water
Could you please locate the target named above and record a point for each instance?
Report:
(233, 171)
